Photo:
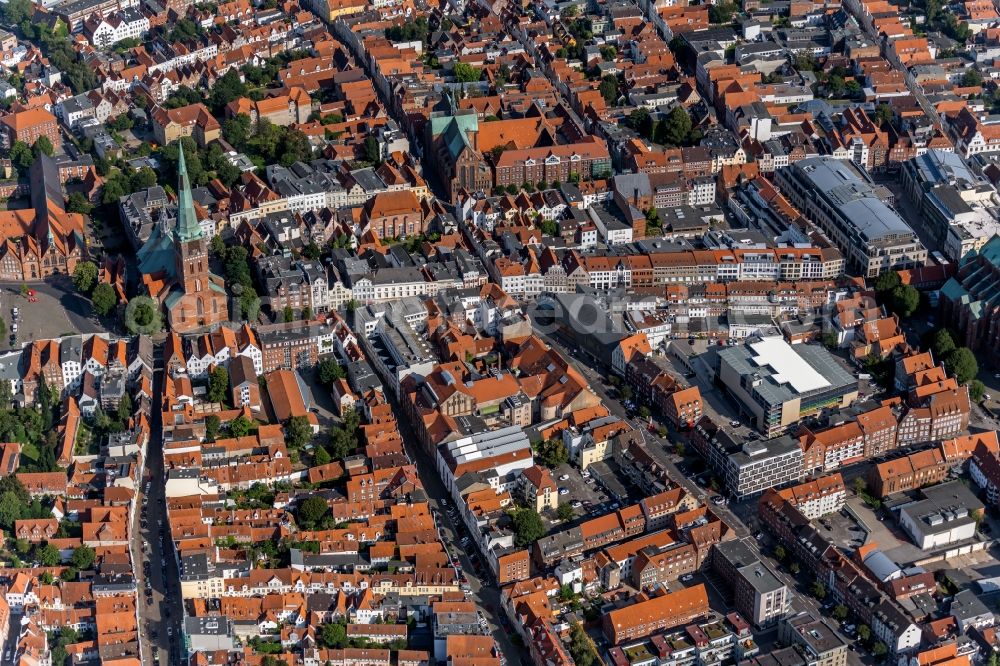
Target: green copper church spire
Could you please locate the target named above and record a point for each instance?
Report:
(187, 221)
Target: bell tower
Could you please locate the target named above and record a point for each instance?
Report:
(190, 248)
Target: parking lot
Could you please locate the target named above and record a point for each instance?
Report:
(582, 493)
(58, 311)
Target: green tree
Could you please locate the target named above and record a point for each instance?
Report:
(312, 251)
(217, 246)
(564, 512)
(962, 364)
(818, 590)
(240, 427)
(840, 612)
(334, 635)
(212, 424)
(237, 131)
(677, 126)
(85, 276)
(218, 385)
(344, 438)
(372, 151)
(864, 633)
(887, 281)
(942, 343)
(465, 73)
(288, 314)
(310, 511)
(976, 390)
(20, 156)
(879, 649)
(78, 203)
(48, 555)
(528, 527)
(780, 553)
(609, 88)
(330, 371)
(298, 432)
(10, 510)
(549, 227)
(551, 452)
(124, 411)
(142, 179)
(722, 12)
(321, 457)
(43, 145)
(905, 300)
(227, 88)
(14, 12)
(581, 648)
(250, 304)
(142, 315)
(104, 299)
(641, 121)
(884, 114)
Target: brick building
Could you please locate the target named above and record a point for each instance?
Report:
(27, 126)
(649, 616)
(393, 214)
(907, 473)
(967, 299)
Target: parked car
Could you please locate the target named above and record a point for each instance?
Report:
(564, 491)
(564, 477)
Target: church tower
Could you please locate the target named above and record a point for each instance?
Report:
(190, 248)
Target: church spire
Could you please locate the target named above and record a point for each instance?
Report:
(187, 221)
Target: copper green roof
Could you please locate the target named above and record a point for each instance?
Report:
(187, 221)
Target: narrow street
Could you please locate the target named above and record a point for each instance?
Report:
(161, 612)
(485, 593)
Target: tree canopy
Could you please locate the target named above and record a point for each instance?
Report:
(310, 511)
(962, 364)
(104, 299)
(85, 276)
(218, 386)
(298, 432)
(466, 73)
(528, 527)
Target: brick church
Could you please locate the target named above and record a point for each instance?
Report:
(174, 266)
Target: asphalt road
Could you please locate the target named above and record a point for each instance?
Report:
(154, 543)
(656, 445)
(484, 592)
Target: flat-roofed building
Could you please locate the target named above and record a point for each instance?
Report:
(847, 206)
(814, 639)
(779, 385)
(947, 514)
(759, 595)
